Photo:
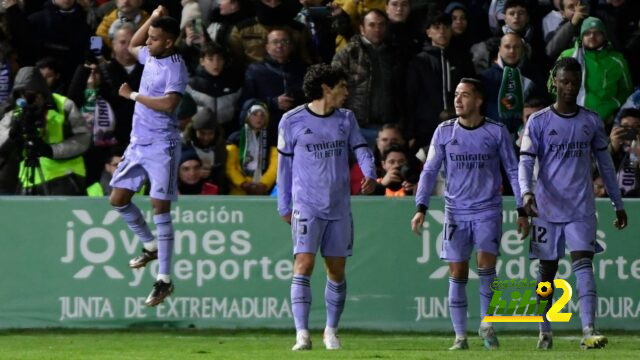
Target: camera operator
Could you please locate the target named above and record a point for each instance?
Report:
(400, 179)
(51, 136)
(625, 151)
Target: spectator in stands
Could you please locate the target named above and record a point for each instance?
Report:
(431, 80)
(460, 30)
(561, 38)
(276, 80)
(95, 103)
(226, 15)
(598, 186)
(252, 158)
(50, 70)
(325, 22)
(625, 151)
(7, 72)
(633, 102)
(401, 34)
(357, 9)
(217, 86)
(621, 19)
(190, 180)
(192, 35)
(206, 138)
(122, 68)
(374, 76)
(102, 186)
(58, 150)
(399, 178)
(531, 105)
(516, 20)
(552, 19)
(247, 37)
(606, 81)
(126, 11)
(59, 30)
(507, 83)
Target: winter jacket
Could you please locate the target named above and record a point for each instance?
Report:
(356, 62)
(218, 93)
(607, 80)
(432, 78)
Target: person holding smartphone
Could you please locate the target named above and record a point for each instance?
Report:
(625, 151)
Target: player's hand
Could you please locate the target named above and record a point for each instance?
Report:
(287, 218)
(159, 12)
(285, 102)
(416, 223)
(530, 205)
(367, 186)
(621, 219)
(523, 227)
(125, 90)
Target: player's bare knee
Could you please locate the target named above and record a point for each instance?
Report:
(119, 198)
(303, 264)
(459, 270)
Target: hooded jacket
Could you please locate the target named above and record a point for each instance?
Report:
(606, 78)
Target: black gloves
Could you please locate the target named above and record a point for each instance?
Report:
(42, 149)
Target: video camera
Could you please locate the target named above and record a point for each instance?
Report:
(29, 120)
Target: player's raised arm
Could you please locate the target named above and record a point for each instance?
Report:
(139, 38)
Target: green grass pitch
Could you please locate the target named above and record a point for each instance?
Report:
(268, 344)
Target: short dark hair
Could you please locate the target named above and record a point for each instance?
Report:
(629, 112)
(566, 64)
(321, 74)
(515, 3)
(536, 102)
(394, 148)
(391, 126)
(478, 87)
(50, 63)
(437, 18)
(168, 25)
(212, 48)
(375, 11)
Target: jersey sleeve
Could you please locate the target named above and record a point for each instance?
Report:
(359, 145)
(510, 163)
(428, 176)
(284, 178)
(177, 77)
(528, 154)
(143, 53)
(599, 146)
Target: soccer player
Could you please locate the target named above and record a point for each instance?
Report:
(314, 142)
(154, 150)
(472, 148)
(563, 137)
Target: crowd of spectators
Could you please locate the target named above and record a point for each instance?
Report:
(247, 59)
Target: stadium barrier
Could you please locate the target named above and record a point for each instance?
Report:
(64, 264)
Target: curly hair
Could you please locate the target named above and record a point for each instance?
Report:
(321, 74)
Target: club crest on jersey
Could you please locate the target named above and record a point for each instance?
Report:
(341, 129)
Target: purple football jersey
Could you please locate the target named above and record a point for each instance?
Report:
(160, 76)
(471, 158)
(563, 145)
(313, 162)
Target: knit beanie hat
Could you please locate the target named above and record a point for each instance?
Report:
(590, 23)
(258, 106)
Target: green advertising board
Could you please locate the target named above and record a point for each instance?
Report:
(64, 264)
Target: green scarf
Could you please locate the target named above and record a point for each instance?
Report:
(246, 131)
(511, 96)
